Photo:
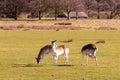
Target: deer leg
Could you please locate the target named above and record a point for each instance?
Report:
(66, 59)
(96, 61)
(86, 59)
(82, 59)
(55, 59)
(41, 59)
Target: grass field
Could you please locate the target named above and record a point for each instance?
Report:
(18, 49)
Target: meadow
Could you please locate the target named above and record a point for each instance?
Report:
(18, 49)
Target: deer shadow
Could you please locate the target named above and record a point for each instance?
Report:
(62, 65)
(36, 65)
(27, 65)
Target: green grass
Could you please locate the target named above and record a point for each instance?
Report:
(19, 48)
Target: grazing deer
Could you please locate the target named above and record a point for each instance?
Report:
(44, 50)
(59, 50)
(89, 50)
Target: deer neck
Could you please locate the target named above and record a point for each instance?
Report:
(53, 47)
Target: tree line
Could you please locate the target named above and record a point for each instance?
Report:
(39, 8)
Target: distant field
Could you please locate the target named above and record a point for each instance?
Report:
(18, 49)
(73, 24)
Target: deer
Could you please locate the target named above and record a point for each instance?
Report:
(59, 50)
(43, 51)
(89, 50)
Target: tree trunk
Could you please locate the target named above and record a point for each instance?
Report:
(76, 15)
(98, 10)
(39, 15)
(55, 13)
(68, 17)
(15, 14)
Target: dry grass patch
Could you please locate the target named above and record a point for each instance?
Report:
(63, 23)
(95, 24)
(105, 28)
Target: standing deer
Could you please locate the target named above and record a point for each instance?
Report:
(89, 50)
(59, 50)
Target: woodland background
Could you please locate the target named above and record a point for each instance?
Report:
(105, 9)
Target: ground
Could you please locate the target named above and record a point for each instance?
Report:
(18, 49)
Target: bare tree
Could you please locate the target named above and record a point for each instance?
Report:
(38, 7)
(70, 5)
(89, 5)
(2, 4)
(98, 8)
(13, 8)
(56, 5)
(113, 7)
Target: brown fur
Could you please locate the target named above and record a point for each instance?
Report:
(89, 50)
(44, 50)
